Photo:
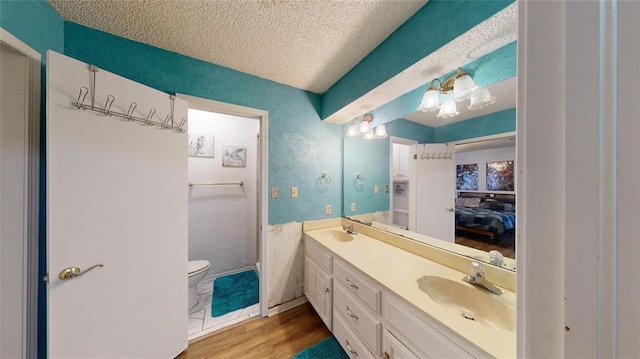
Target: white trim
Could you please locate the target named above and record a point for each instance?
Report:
(412, 181)
(31, 277)
(485, 138)
(263, 115)
(288, 305)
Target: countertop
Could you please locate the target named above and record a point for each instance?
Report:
(398, 271)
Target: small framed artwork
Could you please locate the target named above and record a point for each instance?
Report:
(500, 176)
(200, 145)
(399, 189)
(234, 156)
(467, 177)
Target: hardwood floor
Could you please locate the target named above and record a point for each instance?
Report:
(483, 245)
(280, 336)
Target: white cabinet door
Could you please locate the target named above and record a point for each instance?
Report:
(392, 348)
(318, 290)
(116, 196)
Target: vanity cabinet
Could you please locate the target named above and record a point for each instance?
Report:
(368, 319)
(318, 282)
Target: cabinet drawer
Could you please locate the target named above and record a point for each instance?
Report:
(354, 348)
(413, 331)
(357, 285)
(359, 319)
(319, 255)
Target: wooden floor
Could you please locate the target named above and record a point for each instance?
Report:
(484, 245)
(280, 336)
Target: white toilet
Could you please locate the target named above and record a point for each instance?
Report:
(197, 271)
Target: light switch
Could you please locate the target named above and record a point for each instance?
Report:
(376, 189)
(274, 192)
(294, 192)
(353, 207)
(328, 209)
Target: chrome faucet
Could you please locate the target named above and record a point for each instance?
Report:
(349, 228)
(476, 277)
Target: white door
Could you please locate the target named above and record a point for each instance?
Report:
(435, 191)
(116, 196)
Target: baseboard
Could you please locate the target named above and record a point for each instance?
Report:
(286, 306)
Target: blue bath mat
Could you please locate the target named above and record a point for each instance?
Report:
(233, 292)
(326, 349)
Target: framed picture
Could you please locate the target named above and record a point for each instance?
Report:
(200, 145)
(467, 177)
(500, 176)
(400, 189)
(234, 156)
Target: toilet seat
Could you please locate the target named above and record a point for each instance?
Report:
(199, 266)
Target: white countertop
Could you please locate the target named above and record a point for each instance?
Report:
(398, 271)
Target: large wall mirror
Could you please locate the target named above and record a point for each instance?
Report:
(445, 183)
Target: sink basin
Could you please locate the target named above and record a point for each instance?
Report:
(339, 236)
(473, 303)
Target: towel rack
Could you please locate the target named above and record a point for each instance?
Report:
(191, 184)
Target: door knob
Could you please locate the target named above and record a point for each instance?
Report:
(74, 272)
(450, 209)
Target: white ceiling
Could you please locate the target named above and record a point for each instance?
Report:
(306, 44)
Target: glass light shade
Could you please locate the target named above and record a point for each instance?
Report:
(481, 98)
(364, 127)
(369, 134)
(352, 131)
(381, 131)
(448, 109)
(430, 101)
(463, 86)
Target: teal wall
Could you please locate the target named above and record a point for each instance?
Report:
(301, 146)
(436, 24)
(34, 22)
(491, 124)
(372, 158)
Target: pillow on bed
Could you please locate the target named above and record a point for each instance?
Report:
(468, 202)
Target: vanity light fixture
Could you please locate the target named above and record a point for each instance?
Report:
(463, 87)
(365, 129)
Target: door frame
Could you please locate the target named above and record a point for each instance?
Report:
(30, 271)
(262, 116)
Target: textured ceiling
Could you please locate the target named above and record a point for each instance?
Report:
(308, 44)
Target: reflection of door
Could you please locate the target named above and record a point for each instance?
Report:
(117, 196)
(435, 191)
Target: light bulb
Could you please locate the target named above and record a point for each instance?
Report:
(448, 109)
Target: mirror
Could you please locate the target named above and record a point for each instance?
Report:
(380, 180)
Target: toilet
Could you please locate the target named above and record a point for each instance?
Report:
(197, 271)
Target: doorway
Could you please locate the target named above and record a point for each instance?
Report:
(252, 172)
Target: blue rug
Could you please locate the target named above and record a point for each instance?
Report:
(326, 349)
(233, 292)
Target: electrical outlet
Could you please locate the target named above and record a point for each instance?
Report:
(353, 207)
(376, 189)
(386, 188)
(294, 192)
(328, 209)
(274, 192)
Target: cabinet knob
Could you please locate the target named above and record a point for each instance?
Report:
(385, 355)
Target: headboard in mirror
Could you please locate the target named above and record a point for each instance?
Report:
(380, 192)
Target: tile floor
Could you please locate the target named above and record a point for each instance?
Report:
(200, 320)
